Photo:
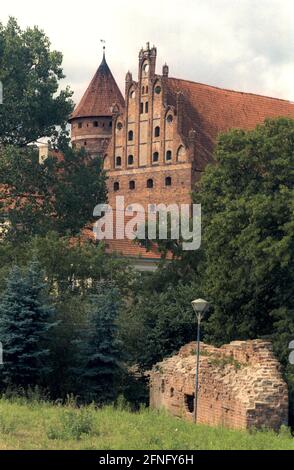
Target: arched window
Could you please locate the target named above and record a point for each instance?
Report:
(143, 90)
(147, 89)
(131, 135)
(157, 131)
(168, 181)
(168, 155)
(119, 126)
(141, 108)
(132, 94)
(118, 161)
(170, 118)
(150, 183)
(132, 185)
(155, 157)
(130, 160)
(157, 90)
(116, 186)
(146, 107)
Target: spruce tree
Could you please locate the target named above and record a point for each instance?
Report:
(99, 352)
(26, 317)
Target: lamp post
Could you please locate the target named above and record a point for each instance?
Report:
(200, 307)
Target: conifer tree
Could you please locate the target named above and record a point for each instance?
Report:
(26, 318)
(99, 351)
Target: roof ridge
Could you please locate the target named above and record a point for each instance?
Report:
(232, 91)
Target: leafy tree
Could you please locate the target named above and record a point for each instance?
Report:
(99, 351)
(248, 203)
(58, 195)
(31, 74)
(26, 318)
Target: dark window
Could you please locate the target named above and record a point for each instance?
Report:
(143, 90)
(157, 90)
(157, 131)
(119, 126)
(189, 403)
(131, 135)
(132, 185)
(168, 155)
(169, 119)
(118, 161)
(172, 392)
(130, 160)
(95, 124)
(110, 124)
(141, 108)
(168, 181)
(147, 89)
(85, 143)
(155, 157)
(150, 184)
(116, 186)
(146, 107)
(80, 125)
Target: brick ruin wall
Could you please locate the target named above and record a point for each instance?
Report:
(240, 385)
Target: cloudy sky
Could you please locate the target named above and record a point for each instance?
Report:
(245, 45)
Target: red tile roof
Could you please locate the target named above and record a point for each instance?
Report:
(100, 96)
(210, 110)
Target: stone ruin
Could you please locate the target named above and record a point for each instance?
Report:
(240, 386)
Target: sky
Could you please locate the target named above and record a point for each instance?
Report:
(245, 45)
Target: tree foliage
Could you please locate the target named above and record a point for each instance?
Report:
(30, 73)
(26, 319)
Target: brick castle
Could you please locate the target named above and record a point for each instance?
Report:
(156, 142)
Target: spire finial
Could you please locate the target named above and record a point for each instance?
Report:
(103, 42)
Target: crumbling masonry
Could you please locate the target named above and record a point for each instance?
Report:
(241, 385)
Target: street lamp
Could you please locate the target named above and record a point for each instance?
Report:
(200, 307)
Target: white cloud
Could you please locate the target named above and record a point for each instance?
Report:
(239, 44)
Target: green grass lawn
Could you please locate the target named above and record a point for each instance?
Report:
(32, 425)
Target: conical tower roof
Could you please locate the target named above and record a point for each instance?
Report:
(100, 96)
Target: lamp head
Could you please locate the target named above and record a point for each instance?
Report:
(200, 307)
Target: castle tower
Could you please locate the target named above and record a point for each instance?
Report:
(91, 121)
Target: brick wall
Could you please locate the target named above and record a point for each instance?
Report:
(240, 385)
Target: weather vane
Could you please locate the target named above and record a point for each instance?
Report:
(103, 42)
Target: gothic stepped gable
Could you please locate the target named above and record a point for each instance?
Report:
(100, 96)
(241, 385)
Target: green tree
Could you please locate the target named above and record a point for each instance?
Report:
(31, 74)
(26, 319)
(99, 351)
(58, 195)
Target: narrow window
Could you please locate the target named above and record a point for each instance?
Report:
(162, 386)
(189, 403)
(132, 185)
(118, 161)
(141, 108)
(147, 89)
(143, 90)
(169, 119)
(157, 131)
(168, 181)
(131, 136)
(150, 184)
(116, 186)
(130, 160)
(146, 107)
(85, 143)
(172, 392)
(110, 124)
(155, 157)
(168, 156)
(80, 125)
(95, 123)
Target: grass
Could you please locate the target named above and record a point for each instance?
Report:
(39, 425)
